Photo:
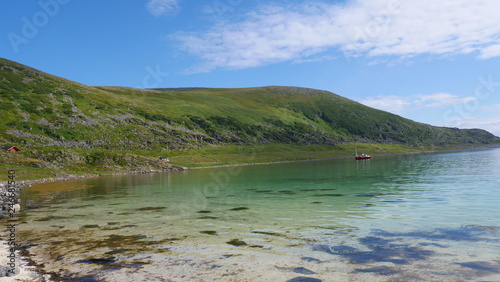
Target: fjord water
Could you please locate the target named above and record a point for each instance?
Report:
(420, 217)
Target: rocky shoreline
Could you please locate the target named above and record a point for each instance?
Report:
(63, 177)
(10, 204)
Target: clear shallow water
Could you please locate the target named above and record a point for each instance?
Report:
(431, 217)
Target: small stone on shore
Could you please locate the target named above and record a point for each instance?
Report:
(6, 271)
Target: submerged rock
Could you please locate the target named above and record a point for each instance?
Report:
(203, 211)
(303, 270)
(151, 208)
(207, 217)
(209, 232)
(310, 259)
(98, 260)
(239, 209)
(304, 279)
(237, 242)
(90, 226)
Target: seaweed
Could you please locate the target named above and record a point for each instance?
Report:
(209, 232)
(90, 226)
(116, 251)
(269, 233)
(151, 208)
(98, 260)
(237, 242)
(50, 217)
(239, 209)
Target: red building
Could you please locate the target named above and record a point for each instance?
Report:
(11, 149)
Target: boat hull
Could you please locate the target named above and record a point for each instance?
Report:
(363, 158)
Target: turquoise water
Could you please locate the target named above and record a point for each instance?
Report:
(425, 217)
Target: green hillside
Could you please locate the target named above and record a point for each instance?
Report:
(64, 126)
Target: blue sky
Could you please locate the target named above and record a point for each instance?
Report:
(435, 62)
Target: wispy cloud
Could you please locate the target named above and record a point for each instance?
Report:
(454, 111)
(162, 7)
(495, 108)
(402, 104)
(490, 52)
(394, 104)
(490, 123)
(401, 28)
(438, 100)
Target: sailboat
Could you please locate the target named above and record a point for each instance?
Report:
(362, 157)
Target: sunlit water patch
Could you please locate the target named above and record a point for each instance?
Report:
(420, 217)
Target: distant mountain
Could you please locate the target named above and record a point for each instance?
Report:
(40, 110)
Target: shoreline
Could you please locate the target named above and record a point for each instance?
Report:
(32, 272)
(347, 157)
(26, 183)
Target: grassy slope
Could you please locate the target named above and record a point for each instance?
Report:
(63, 126)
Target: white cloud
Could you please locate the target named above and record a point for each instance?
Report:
(490, 52)
(402, 28)
(490, 123)
(494, 108)
(402, 104)
(453, 110)
(440, 100)
(162, 7)
(394, 104)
